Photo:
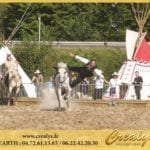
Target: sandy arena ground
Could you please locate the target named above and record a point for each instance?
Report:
(83, 115)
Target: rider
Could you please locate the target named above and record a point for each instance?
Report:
(88, 70)
(10, 63)
(10, 69)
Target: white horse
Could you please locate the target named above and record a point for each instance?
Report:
(62, 84)
(12, 82)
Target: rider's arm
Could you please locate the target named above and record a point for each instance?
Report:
(81, 59)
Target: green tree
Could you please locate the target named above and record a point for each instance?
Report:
(3, 15)
(71, 21)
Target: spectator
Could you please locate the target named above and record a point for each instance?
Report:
(138, 81)
(38, 82)
(72, 76)
(49, 84)
(99, 83)
(84, 87)
(114, 85)
(73, 91)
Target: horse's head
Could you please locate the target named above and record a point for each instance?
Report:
(62, 71)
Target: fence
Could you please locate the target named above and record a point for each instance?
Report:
(88, 92)
(22, 92)
(123, 91)
(69, 44)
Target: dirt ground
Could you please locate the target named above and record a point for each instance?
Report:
(83, 115)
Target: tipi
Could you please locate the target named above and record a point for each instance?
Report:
(137, 60)
(27, 84)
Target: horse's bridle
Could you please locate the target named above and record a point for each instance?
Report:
(63, 80)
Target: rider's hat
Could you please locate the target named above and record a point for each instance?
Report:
(37, 71)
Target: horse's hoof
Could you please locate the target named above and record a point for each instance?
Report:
(12, 101)
(112, 104)
(59, 109)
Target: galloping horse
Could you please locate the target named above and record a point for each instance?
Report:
(12, 81)
(62, 84)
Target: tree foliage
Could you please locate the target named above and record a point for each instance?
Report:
(31, 58)
(70, 21)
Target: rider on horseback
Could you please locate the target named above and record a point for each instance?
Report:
(10, 63)
(11, 67)
(11, 78)
(88, 70)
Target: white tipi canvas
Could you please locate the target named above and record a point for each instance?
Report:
(129, 67)
(127, 71)
(127, 74)
(26, 81)
(131, 38)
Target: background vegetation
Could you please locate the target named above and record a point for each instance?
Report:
(68, 22)
(108, 59)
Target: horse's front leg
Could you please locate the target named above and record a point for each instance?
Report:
(58, 94)
(9, 96)
(60, 98)
(17, 91)
(68, 95)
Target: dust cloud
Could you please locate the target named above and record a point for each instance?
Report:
(48, 99)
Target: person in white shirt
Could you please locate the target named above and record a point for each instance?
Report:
(38, 82)
(99, 83)
(114, 85)
(84, 87)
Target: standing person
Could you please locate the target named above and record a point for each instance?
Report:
(88, 70)
(38, 81)
(84, 87)
(49, 84)
(74, 90)
(114, 85)
(138, 81)
(99, 84)
(72, 76)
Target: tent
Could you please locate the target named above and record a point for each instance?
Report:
(27, 84)
(138, 59)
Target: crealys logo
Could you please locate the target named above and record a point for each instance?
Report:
(118, 138)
